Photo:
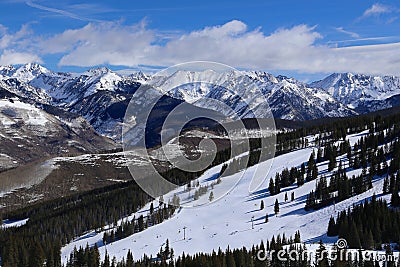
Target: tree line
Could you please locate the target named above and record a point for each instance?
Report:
(367, 225)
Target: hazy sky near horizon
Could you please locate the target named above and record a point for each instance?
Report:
(296, 38)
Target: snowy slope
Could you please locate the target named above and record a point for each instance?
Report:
(27, 128)
(24, 90)
(228, 220)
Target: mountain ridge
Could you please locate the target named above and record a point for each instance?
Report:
(99, 93)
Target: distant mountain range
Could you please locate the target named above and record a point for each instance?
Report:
(101, 96)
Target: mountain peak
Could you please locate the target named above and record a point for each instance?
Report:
(97, 71)
(139, 76)
(358, 90)
(262, 76)
(29, 71)
(33, 67)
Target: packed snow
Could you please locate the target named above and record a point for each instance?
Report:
(228, 221)
(13, 223)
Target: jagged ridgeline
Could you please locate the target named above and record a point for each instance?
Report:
(101, 95)
(55, 223)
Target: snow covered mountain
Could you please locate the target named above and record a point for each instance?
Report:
(68, 88)
(89, 94)
(287, 97)
(24, 73)
(294, 101)
(101, 95)
(360, 92)
(30, 131)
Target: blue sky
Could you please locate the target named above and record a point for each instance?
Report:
(303, 39)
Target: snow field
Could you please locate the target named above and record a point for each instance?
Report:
(228, 221)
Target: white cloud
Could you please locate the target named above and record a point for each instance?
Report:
(392, 39)
(351, 34)
(10, 57)
(7, 39)
(287, 49)
(104, 43)
(233, 43)
(15, 47)
(293, 49)
(60, 11)
(377, 9)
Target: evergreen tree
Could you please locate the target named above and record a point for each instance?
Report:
(310, 201)
(321, 256)
(352, 237)
(151, 208)
(262, 205)
(332, 229)
(50, 260)
(211, 196)
(314, 173)
(230, 260)
(311, 167)
(300, 179)
(266, 218)
(167, 251)
(323, 191)
(106, 262)
(368, 241)
(344, 188)
(276, 207)
(331, 153)
(297, 238)
(271, 187)
(392, 183)
(302, 173)
(319, 155)
(394, 199)
(36, 256)
(95, 256)
(277, 189)
(369, 181)
(285, 177)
